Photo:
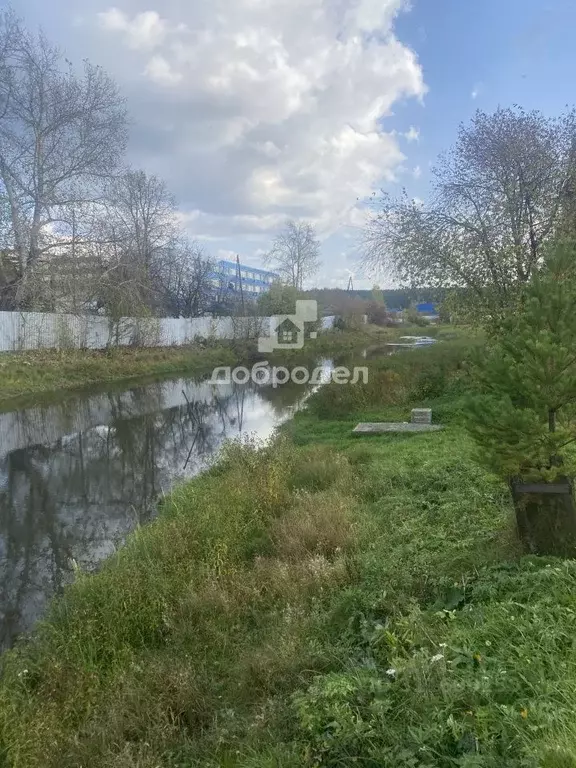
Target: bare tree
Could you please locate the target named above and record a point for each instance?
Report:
(498, 196)
(142, 215)
(137, 238)
(61, 134)
(295, 253)
(187, 280)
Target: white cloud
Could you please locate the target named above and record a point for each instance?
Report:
(209, 226)
(145, 30)
(413, 134)
(476, 91)
(161, 72)
(259, 110)
(225, 254)
(417, 172)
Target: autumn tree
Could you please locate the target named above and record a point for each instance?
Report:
(186, 276)
(498, 196)
(61, 133)
(138, 234)
(295, 254)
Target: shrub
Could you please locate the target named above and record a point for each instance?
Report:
(377, 314)
(336, 401)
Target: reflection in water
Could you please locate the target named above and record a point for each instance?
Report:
(77, 477)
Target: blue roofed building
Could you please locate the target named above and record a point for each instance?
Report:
(427, 310)
(251, 282)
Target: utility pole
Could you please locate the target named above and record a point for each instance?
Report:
(238, 272)
(350, 284)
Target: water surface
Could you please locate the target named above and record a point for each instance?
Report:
(76, 477)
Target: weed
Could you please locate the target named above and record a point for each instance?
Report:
(317, 524)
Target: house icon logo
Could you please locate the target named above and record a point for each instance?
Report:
(287, 331)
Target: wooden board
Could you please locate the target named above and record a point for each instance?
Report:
(542, 488)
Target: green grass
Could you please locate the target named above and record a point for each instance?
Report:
(328, 600)
(26, 374)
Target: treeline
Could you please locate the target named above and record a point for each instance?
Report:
(79, 230)
(335, 300)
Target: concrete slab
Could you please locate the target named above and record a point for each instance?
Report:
(367, 428)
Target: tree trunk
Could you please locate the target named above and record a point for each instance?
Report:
(552, 420)
(546, 517)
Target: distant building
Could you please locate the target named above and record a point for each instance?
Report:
(251, 282)
(428, 311)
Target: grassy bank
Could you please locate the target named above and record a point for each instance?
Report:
(42, 371)
(325, 601)
(24, 375)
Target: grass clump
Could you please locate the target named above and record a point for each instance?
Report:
(317, 524)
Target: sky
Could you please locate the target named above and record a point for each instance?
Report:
(256, 111)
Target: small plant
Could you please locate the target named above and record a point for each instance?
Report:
(64, 333)
(377, 313)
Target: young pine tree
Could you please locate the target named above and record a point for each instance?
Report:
(525, 422)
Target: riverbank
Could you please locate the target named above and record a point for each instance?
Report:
(24, 375)
(329, 600)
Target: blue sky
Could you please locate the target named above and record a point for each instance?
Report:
(258, 110)
(479, 55)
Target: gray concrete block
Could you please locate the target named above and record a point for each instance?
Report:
(421, 416)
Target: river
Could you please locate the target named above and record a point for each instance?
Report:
(77, 476)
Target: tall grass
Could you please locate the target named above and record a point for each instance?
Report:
(26, 374)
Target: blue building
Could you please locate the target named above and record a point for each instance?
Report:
(253, 281)
(428, 311)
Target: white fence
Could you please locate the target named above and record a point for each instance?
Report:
(38, 330)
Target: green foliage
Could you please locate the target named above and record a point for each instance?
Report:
(337, 401)
(410, 376)
(524, 423)
(377, 314)
(378, 296)
(412, 316)
(339, 324)
(279, 300)
(481, 684)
